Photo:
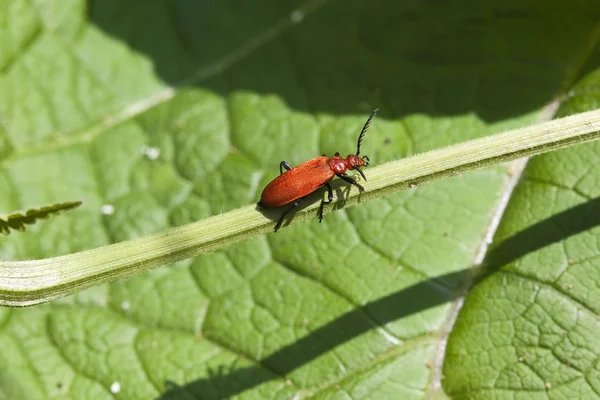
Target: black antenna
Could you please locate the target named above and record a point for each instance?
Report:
(364, 130)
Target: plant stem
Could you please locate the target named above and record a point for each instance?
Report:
(25, 283)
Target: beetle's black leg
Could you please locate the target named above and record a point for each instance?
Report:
(294, 205)
(282, 165)
(352, 182)
(329, 198)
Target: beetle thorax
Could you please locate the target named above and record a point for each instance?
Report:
(338, 165)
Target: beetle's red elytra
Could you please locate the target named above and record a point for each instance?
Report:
(293, 185)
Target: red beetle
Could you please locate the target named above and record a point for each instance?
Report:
(293, 185)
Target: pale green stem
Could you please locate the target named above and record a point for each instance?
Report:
(30, 282)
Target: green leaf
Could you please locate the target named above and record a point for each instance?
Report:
(17, 220)
(530, 326)
(164, 113)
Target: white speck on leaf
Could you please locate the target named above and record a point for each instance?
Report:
(151, 153)
(107, 209)
(125, 305)
(115, 387)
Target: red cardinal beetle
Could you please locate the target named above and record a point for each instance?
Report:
(293, 185)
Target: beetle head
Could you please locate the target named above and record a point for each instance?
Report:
(355, 162)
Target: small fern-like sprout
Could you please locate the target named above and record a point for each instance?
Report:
(18, 219)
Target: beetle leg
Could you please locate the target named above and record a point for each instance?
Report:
(282, 165)
(294, 205)
(352, 182)
(329, 197)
